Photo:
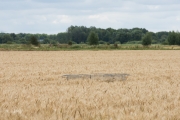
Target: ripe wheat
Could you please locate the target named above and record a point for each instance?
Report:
(32, 87)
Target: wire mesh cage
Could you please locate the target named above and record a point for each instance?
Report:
(98, 76)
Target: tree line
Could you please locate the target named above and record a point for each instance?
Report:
(79, 35)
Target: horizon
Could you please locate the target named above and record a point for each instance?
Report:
(84, 26)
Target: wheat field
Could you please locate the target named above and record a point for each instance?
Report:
(32, 87)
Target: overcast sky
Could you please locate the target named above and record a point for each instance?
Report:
(54, 16)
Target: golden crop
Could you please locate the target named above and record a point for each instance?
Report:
(32, 87)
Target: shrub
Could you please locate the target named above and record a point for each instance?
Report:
(53, 42)
(108, 43)
(177, 38)
(93, 38)
(115, 45)
(165, 42)
(70, 43)
(147, 40)
(102, 42)
(34, 41)
(76, 47)
(172, 38)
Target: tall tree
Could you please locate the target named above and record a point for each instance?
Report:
(62, 37)
(177, 38)
(136, 35)
(34, 40)
(93, 38)
(7, 39)
(147, 40)
(172, 38)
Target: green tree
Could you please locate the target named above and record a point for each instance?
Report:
(62, 37)
(53, 42)
(13, 35)
(177, 38)
(147, 40)
(136, 34)
(123, 37)
(70, 43)
(172, 38)
(7, 39)
(34, 41)
(93, 38)
(23, 41)
(46, 41)
(1, 37)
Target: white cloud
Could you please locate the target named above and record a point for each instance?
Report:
(53, 16)
(102, 18)
(178, 18)
(62, 19)
(153, 7)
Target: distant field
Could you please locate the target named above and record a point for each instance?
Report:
(31, 86)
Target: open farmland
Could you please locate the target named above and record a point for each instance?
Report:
(31, 86)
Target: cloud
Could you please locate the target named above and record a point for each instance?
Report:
(62, 19)
(53, 16)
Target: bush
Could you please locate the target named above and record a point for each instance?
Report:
(102, 42)
(177, 38)
(93, 38)
(76, 47)
(81, 43)
(70, 43)
(172, 38)
(117, 42)
(9, 42)
(54, 43)
(134, 42)
(115, 45)
(165, 42)
(154, 42)
(147, 40)
(34, 41)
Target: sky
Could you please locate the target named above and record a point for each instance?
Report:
(55, 16)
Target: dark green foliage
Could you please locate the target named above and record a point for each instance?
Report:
(177, 38)
(70, 43)
(93, 38)
(46, 41)
(73, 42)
(79, 34)
(161, 37)
(34, 40)
(108, 43)
(174, 38)
(13, 35)
(165, 42)
(102, 42)
(7, 39)
(136, 34)
(134, 42)
(123, 37)
(147, 40)
(62, 37)
(115, 45)
(53, 42)
(22, 41)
